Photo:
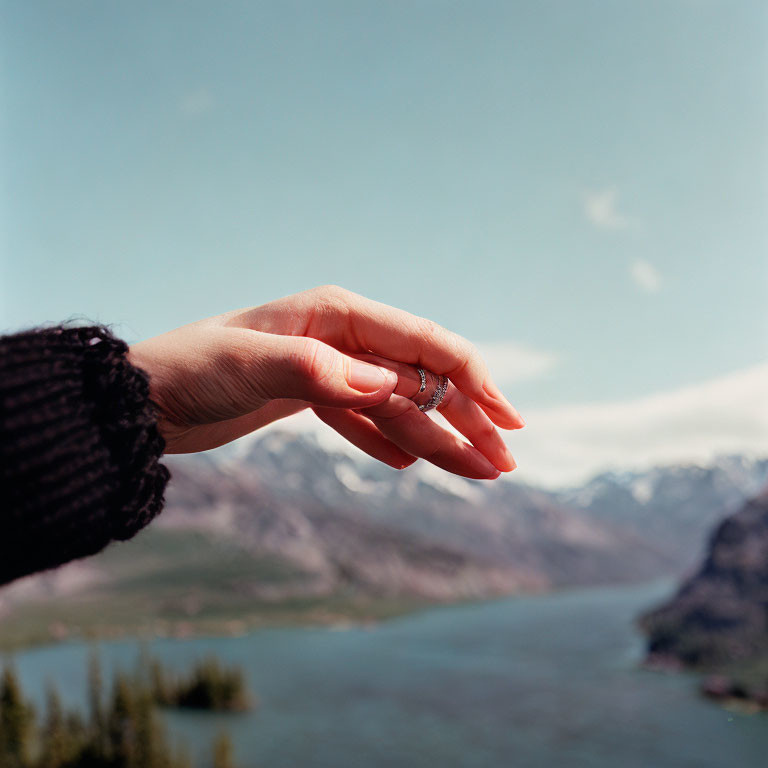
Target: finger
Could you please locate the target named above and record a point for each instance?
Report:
(459, 410)
(301, 368)
(354, 323)
(465, 415)
(361, 432)
(400, 420)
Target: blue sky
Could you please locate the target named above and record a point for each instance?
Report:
(583, 184)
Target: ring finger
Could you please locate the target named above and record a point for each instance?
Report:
(458, 409)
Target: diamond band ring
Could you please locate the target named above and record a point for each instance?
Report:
(437, 394)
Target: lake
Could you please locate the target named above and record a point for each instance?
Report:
(517, 683)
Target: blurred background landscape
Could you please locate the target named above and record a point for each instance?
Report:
(580, 189)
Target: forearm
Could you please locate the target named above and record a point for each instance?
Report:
(79, 448)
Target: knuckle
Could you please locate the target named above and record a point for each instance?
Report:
(470, 349)
(448, 398)
(394, 408)
(435, 454)
(313, 361)
(466, 354)
(330, 300)
(463, 348)
(459, 352)
(331, 292)
(429, 330)
(486, 431)
(406, 407)
(457, 346)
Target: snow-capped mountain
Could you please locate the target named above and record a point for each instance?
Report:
(345, 517)
(324, 521)
(674, 507)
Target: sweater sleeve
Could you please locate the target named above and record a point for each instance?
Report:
(79, 447)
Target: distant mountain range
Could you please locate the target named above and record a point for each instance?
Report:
(421, 531)
(287, 494)
(280, 520)
(674, 507)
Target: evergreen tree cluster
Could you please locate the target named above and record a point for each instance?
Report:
(122, 729)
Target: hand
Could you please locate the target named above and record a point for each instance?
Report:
(218, 379)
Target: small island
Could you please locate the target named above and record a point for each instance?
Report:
(208, 685)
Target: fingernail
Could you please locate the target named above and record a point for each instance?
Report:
(514, 412)
(366, 378)
(485, 468)
(511, 463)
(508, 407)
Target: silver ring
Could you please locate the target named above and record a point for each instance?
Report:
(437, 395)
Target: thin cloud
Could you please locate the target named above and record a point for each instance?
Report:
(566, 445)
(511, 362)
(645, 276)
(601, 209)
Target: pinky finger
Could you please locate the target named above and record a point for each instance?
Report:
(363, 433)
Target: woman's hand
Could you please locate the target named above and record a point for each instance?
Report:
(350, 359)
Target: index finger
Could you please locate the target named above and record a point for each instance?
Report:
(354, 323)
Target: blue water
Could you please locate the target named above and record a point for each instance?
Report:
(520, 683)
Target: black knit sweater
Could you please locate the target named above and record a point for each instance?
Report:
(79, 447)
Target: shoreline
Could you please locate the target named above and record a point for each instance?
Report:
(31, 626)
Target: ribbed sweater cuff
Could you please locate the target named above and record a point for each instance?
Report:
(79, 447)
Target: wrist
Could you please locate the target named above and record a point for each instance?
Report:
(170, 427)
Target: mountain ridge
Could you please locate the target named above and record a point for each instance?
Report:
(284, 528)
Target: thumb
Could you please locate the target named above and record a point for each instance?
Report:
(302, 368)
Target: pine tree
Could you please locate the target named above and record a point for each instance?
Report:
(161, 686)
(145, 729)
(97, 723)
(16, 722)
(182, 758)
(59, 740)
(223, 753)
(121, 725)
